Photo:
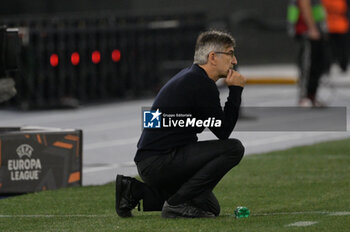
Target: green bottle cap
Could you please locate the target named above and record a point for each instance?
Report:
(242, 212)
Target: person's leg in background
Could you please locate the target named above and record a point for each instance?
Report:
(304, 63)
(339, 49)
(318, 66)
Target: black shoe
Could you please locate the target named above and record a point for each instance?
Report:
(185, 211)
(124, 201)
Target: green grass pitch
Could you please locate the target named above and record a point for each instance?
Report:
(307, 185)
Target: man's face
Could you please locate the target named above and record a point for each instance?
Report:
(226, 60)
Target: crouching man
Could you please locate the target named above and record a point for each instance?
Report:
(180, 173)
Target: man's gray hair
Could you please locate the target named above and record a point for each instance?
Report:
(211, 41)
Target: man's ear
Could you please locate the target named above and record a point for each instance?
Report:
(212, 58)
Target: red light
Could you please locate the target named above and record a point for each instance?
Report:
(116, 55)
(54, 60)
(96, 57)
(75, 58)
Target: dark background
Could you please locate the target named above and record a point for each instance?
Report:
(150, 55)
(258, 26)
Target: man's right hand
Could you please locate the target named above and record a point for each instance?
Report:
(234, 78)
(314, 34)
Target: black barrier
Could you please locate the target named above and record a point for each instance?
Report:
(36, 159)
(69, 59)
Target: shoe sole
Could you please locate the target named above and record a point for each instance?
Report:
(118, 193)
(169, 215)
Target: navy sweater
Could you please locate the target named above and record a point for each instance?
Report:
(189, 91)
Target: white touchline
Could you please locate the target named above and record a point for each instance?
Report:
(339, 214)
(50, 216)
(302, 223)
(327, 213)
(292, 213)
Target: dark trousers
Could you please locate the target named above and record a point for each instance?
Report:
(189, 174)
(339, 49)
(312, 62)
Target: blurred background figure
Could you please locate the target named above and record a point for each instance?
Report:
(307, 22)
(338, 27)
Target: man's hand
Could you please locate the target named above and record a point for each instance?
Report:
(306, 10)
(7, 89)
(234, 78)
(314, 34)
